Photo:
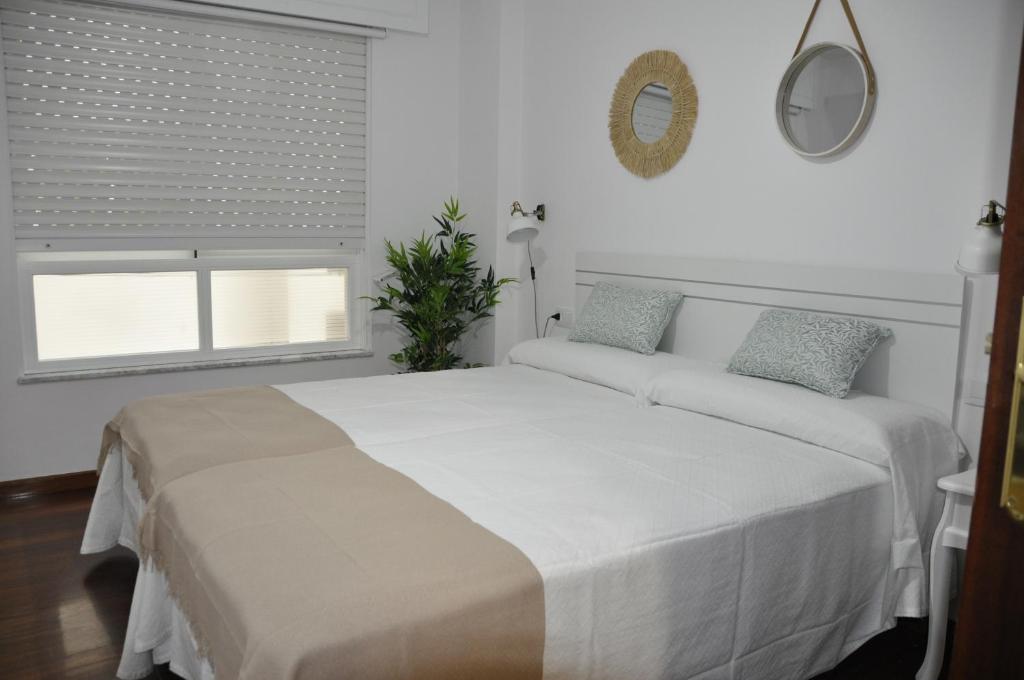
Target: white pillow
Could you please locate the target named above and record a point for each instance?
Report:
(863, 426)
(619, 369)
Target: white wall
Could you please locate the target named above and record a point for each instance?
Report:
(479, 40)
(937, 147)
(54, 428)
(490, 161)
(936, 150)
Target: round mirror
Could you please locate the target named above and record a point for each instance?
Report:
(825, 99)
(652, 112)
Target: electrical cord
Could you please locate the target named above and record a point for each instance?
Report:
(556, 316)
(533, 279)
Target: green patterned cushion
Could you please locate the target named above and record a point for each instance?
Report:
(630, 318)
(821, 352)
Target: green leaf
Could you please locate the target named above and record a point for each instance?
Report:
(439, 294)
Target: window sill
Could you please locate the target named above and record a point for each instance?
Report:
(88, 374)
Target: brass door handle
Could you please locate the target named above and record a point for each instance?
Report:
(1013, 473)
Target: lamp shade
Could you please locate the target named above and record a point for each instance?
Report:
(981, 248)
(980, 251)
(522, 228)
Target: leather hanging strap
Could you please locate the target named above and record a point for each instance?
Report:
(807, 27)
(856, 34)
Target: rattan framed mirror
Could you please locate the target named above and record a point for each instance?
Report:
(653, 113)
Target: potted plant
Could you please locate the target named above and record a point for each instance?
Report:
(438, 294)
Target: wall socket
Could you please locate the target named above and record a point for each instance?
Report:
(567, 318)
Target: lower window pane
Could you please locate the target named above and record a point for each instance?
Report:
(101, 315)
(260, 307)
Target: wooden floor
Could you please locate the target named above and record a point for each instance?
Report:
(63, 615)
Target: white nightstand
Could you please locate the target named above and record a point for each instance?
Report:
(950, 535)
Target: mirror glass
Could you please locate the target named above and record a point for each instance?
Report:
(652, 112)
(823, 99)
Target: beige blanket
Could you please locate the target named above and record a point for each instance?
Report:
(171, 436)
(327, 564)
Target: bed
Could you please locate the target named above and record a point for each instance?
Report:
(764, 533)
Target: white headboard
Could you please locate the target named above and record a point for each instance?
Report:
(724, 297)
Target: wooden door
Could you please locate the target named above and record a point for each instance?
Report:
(989, 640)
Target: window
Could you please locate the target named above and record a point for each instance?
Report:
(185, 188)
(103, 310)
(99, 315)
(261, 307)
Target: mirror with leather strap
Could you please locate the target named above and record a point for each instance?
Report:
(827, 94)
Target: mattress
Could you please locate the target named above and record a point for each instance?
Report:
(671, 544)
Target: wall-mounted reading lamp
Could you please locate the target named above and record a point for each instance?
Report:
(524, 226)
(983, 244)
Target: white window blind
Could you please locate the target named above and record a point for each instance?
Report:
(131, 122)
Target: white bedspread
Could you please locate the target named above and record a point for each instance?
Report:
(671, 544)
